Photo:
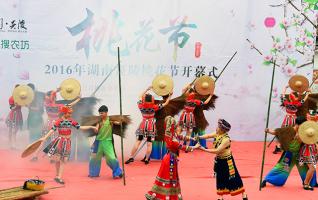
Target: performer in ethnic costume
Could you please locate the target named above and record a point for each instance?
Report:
(104, 146)
(228, 180)
(14, 121)
(308, 155)
(147, 127)
(52, 109)
(167, 184)
(187, 118)
(162, 85)
(290, 143)
(60, 148)
(291, 104)
(203, 87)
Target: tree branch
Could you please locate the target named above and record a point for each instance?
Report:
(306, 64)
(300, 52)
(253, 47)
(302, 14)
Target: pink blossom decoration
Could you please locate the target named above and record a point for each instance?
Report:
(288, 70)
(24, 75)
(268, 58)
(309, 41)
(269, 22)
(286, 22)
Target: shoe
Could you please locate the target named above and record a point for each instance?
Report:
(118, 177)
(34, 159)
(277, 150)
(308, 187)
(316, 185)
(245, 198)
(92, 176)
(129, 160)
(263, 184)
(143, 160)
(60, 181)
(147, 161)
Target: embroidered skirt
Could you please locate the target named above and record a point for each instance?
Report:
(308, 154)
(167, 185)
(228, 180)
(14, 119)
(147, 128)
(187, 120)
(59, 148)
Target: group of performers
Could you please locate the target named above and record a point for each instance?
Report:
(297, 135)
(55, 140)
(299, 147)
(195, 98)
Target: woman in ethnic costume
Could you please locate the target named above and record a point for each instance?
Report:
(14, 121)
(147, 127)
(167, 184)
(52, 110)
(308, 155)
(228, 180)
(291, 102)
(290, 142)
(60, 148)
(187, 119)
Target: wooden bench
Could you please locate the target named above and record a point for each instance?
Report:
(20, 193)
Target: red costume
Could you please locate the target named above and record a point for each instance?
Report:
(61, 146)
(147, 127)
(167, 185)
(187, 119)
(291, 109)
(308, 154)
(14, 119)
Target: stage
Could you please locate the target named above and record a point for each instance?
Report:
(195, 175)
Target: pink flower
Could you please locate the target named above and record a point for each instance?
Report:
(309, 41)
(24, 75)
(278, 46)
(281, 60)
(286, 22)
(289, 46)
(297, 20)
(268, 58)
(288, 70)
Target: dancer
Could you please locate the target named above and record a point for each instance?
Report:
(167, 184)
(203, 88)
(289, 140)
(147, 128)
(291, 105)
(104, 146)
(60, 148)
(52, 110)
(14, 121)
(187, 119)
(308, 155)
(228, 180)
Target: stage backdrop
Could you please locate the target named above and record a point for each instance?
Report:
(45, 42)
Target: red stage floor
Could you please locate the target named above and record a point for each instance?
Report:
(195, 176)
